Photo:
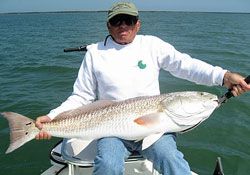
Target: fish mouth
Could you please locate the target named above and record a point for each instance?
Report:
(218, 102)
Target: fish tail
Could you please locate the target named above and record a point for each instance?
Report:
(22, 130)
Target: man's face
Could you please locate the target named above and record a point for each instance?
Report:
(123, 32)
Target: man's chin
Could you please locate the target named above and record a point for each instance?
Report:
(124, 40)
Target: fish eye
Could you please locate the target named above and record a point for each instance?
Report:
(201, 93)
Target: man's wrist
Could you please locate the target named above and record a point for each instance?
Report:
(226, 78)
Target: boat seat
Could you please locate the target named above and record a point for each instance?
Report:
(83, 156)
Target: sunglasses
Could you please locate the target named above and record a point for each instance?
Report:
(129, 20)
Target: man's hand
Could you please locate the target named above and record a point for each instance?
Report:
(43, 134)
(236, 83)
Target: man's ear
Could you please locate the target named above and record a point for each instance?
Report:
(138, 24)
(108, 25)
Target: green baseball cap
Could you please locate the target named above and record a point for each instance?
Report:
(123, 7)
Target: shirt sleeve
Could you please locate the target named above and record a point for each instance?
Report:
(183, 66)
(84, 89)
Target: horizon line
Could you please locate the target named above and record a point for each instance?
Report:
(102, 11)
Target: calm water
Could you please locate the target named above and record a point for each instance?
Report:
(36, 76)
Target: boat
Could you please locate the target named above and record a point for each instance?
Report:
(76, 157)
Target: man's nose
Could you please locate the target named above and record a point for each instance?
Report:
(123, 24)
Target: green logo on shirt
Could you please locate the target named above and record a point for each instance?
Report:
(141, 65)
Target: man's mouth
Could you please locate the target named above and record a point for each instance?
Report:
(123, 32)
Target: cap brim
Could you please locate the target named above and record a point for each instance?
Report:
(122, 12)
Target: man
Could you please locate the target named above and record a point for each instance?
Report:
(127, 65)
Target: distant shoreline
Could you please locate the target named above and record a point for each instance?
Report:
(17, 13)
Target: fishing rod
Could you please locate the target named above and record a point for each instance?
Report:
(80, 48)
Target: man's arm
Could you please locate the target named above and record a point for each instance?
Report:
(84, 92)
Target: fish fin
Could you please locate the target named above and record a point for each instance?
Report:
(22, 130)
(150, 140)
(84, 109)
(148, 120)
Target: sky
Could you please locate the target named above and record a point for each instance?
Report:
(9, 6)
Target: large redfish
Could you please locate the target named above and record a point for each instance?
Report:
(140, 118)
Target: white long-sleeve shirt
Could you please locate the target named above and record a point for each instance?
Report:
(114, 72)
